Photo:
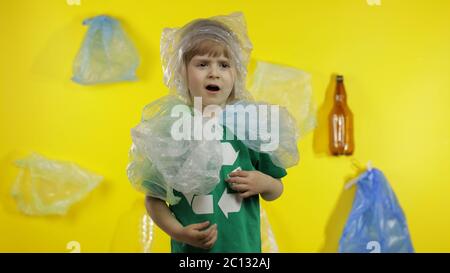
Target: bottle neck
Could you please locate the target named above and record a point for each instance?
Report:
(340, 96)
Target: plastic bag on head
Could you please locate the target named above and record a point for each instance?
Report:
(229, 30)
(107, 55)
(376, 222)
(45, 187)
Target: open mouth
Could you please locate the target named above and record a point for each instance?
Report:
(212, 87)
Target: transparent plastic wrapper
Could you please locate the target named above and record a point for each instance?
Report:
(280, 143)
(161, 163)
(376, 222)
(106, 55)
(135, 231)
(46, 187)
(230, 30)
(288, 87)
(268, 242)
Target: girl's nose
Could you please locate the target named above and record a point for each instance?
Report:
(214, 72)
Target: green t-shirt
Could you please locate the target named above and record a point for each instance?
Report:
(237, 219)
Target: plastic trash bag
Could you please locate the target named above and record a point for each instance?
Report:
(288, 87)
(46, 187)
(107, 55)
(376, 222)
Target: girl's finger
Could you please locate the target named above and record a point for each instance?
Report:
(238, 180)
(239, 187)
(211, 233)
(210, 243)
(239, 173)
(246, 194)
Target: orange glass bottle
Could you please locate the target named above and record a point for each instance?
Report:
(341, 122)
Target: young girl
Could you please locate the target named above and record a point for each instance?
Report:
(204, 193)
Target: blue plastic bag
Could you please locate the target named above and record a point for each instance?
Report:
(106, 55)
(376, 222)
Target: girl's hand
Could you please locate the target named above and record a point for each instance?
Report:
(199, 235)
(249, 183)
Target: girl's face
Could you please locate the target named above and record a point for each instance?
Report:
(211, 78)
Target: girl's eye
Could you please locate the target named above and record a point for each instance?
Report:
(202, 65)
(225, 65)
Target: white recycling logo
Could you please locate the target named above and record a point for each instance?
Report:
(201, 204)
(229, 155)
(229, 202)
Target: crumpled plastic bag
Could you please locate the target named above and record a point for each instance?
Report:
(280, 144)
(107, 55)
(288, 87)
(159, 163)
(376, 222)
(49, 187)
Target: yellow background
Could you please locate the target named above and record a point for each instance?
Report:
(395, 59)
